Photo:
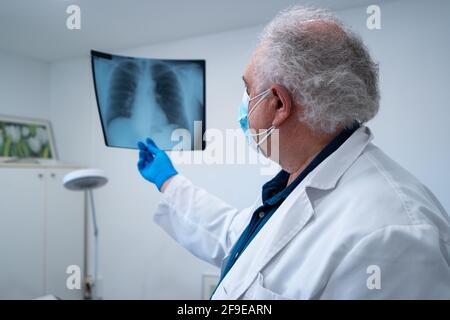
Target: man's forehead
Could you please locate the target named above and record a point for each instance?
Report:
(245, 80)
(247, 77)
(247, 74)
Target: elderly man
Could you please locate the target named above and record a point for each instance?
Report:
(341, 220)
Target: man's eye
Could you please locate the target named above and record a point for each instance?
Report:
(248, 91)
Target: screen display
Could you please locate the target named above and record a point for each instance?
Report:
(161, 99)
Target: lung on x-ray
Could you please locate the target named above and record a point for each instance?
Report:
(139, 98)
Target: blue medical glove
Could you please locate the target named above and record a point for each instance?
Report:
(154, 164)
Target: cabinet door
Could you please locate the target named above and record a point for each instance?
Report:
(65, 234)
(22, 237)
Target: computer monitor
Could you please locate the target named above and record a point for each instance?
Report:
(157, 98)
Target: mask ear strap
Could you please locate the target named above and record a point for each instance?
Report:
(262, 95)
(269, 132)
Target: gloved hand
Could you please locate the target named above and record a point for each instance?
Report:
(154, 164)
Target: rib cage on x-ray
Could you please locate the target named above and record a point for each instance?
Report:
(168, 94)
(124, 82)
(141, 98)
(167, 91)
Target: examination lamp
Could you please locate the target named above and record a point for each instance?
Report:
(86, 180)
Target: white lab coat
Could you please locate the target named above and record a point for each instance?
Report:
(357, 227)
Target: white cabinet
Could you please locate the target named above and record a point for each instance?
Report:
(41, 232)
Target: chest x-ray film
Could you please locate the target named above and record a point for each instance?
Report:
(139, 98)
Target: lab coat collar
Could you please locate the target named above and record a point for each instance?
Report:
(328, 173)
(290, 218)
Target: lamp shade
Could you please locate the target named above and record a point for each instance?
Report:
(85, 179)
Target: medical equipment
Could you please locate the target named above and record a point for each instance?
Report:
(244, 116)
(158, 98)
(86, 180)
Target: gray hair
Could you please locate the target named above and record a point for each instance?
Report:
(324, 65)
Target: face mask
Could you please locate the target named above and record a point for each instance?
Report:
(244, 117)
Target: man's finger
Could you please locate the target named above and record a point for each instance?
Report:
(151, 146)
(141, 145)
(141, 164)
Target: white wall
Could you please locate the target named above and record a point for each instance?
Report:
(137, 259)
(24, 86)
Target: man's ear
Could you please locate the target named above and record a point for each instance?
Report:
(283, 104)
